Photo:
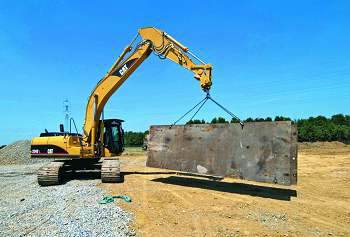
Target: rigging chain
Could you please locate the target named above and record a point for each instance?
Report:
(201, 104)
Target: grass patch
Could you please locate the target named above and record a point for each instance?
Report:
(133, 151)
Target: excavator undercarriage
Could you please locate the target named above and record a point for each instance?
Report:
(59, 171)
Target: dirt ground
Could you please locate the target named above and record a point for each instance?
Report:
(166, 204)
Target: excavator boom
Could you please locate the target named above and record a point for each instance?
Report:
(152, 40)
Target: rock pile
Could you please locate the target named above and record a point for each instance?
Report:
(17, 153)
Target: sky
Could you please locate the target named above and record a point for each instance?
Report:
(269, 58)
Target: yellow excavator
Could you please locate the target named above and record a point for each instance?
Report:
(103, 138)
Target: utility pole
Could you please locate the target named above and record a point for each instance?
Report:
(66, 110)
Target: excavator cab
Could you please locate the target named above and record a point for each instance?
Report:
(113, 136)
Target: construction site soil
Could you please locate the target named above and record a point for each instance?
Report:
(166, 204)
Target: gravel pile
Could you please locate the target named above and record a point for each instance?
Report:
(17, 153)
(65, 210)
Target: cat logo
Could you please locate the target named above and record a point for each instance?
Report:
(123, 70)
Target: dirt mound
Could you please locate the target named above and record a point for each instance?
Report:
(318, 148)
(323, 144)
(17, 153)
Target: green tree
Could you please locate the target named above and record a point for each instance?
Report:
(259, 120)
(133, 138)
(340, 119)
(196, 121)
(234, 120)
(218, 120)
(281, 118)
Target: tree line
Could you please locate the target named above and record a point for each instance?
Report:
(134, 138)
(312, 129)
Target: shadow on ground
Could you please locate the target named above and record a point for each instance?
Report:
(237, 188)
(96, 174)
(81, 175)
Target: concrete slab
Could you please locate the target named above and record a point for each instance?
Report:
(261, 151)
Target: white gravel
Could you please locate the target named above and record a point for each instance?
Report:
(26, 209)
(18, 153)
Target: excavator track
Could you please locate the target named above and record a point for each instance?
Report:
(50, 174)
(110, 171)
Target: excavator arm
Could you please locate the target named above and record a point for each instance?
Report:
(152, 40)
